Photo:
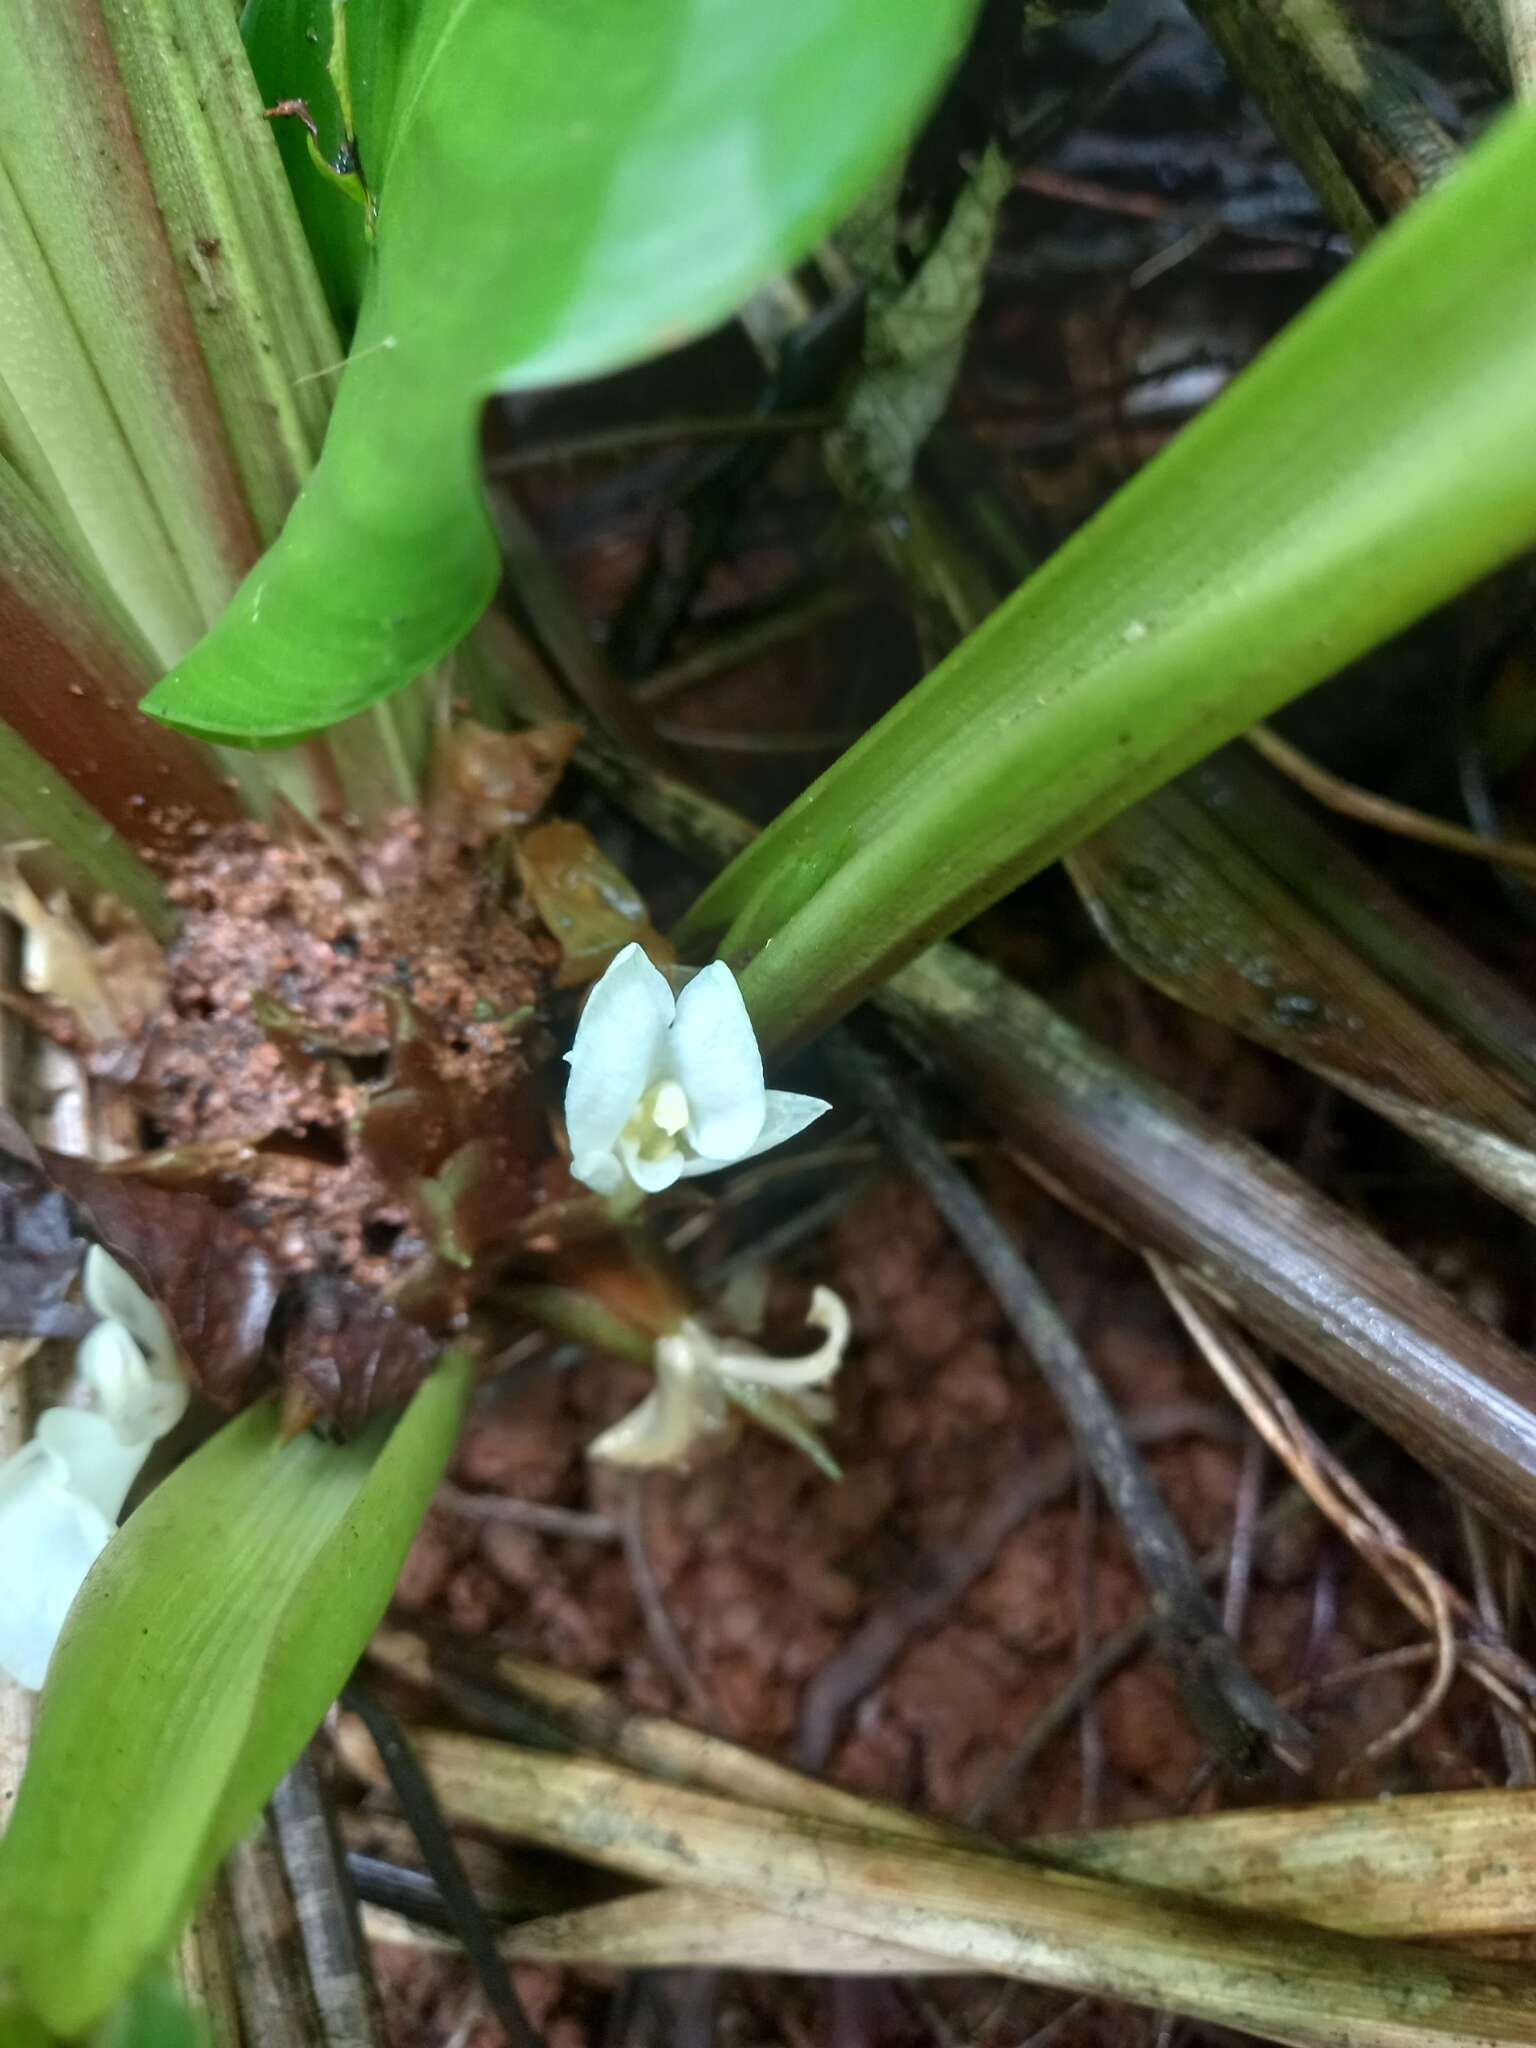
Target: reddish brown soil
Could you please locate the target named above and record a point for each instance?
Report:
(340, 934)
(767, 1569)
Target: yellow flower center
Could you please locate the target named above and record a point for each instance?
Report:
(661, 1115)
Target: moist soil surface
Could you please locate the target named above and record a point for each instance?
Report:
(772, 1578)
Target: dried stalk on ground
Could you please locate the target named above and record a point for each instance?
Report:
(928, 1901)
(1429, 1597)
(340, 1970)
(1229, 1706)
(939, 1579)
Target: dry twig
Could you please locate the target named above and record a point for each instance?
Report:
(527, 1514)
(1351, 801)
(1226, 1702)
(659, 1625)
(1426, 1593)
(340, 1970)
(942, 1577)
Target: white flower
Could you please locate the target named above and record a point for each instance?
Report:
(698, 1376)
(61, 1494)
(662, 1087)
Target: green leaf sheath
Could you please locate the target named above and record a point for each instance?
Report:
(1375, 460)
(198, 1660)
(112, 419)
(561, 190)
(70, 675)
(250, 284)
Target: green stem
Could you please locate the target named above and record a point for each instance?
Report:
(35, 795)
(570, 1313)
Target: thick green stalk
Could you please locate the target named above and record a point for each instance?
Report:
(69, 147)
(90, 855)
(250, 283)
(1373, 462)
(61, 435)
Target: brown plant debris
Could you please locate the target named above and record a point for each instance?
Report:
(342, 1090)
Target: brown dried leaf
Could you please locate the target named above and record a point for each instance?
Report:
(109, 987)
(1204, 916)
(215, 1282)
(485, 782)
(465, 1158)
(409, 1128)
(348, 1354)
(587, 903)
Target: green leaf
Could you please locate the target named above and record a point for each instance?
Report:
(153, 2015)
(560, 190)
(198, 1660)
(1380, 456)
(914, 338)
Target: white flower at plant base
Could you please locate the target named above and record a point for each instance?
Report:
(61, 1493)
(663, 1086)
(695, 1373)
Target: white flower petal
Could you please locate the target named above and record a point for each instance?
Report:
(745, 1362)
(599, 1171)
(49, 1539)
(114, 1294)
(620, 1048)
(650, 1175)
(715, 1056)
(784, 1116)
(664, 1426)
(89, 1458)
(139, 1405)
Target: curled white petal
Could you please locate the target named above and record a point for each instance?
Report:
(129, 1360)
(683, 1405)
(137, 1403)
(112, 1291)
(693, 1369)
(651, 1166)
(61, 1494)
(827, 1312)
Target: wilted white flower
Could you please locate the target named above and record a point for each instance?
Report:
(61, 1493)
(663, 1086)
(697, 1374)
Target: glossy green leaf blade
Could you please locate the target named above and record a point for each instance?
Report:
(290, 45)
(560, 190)
(196, 1663)
(1375, 460)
